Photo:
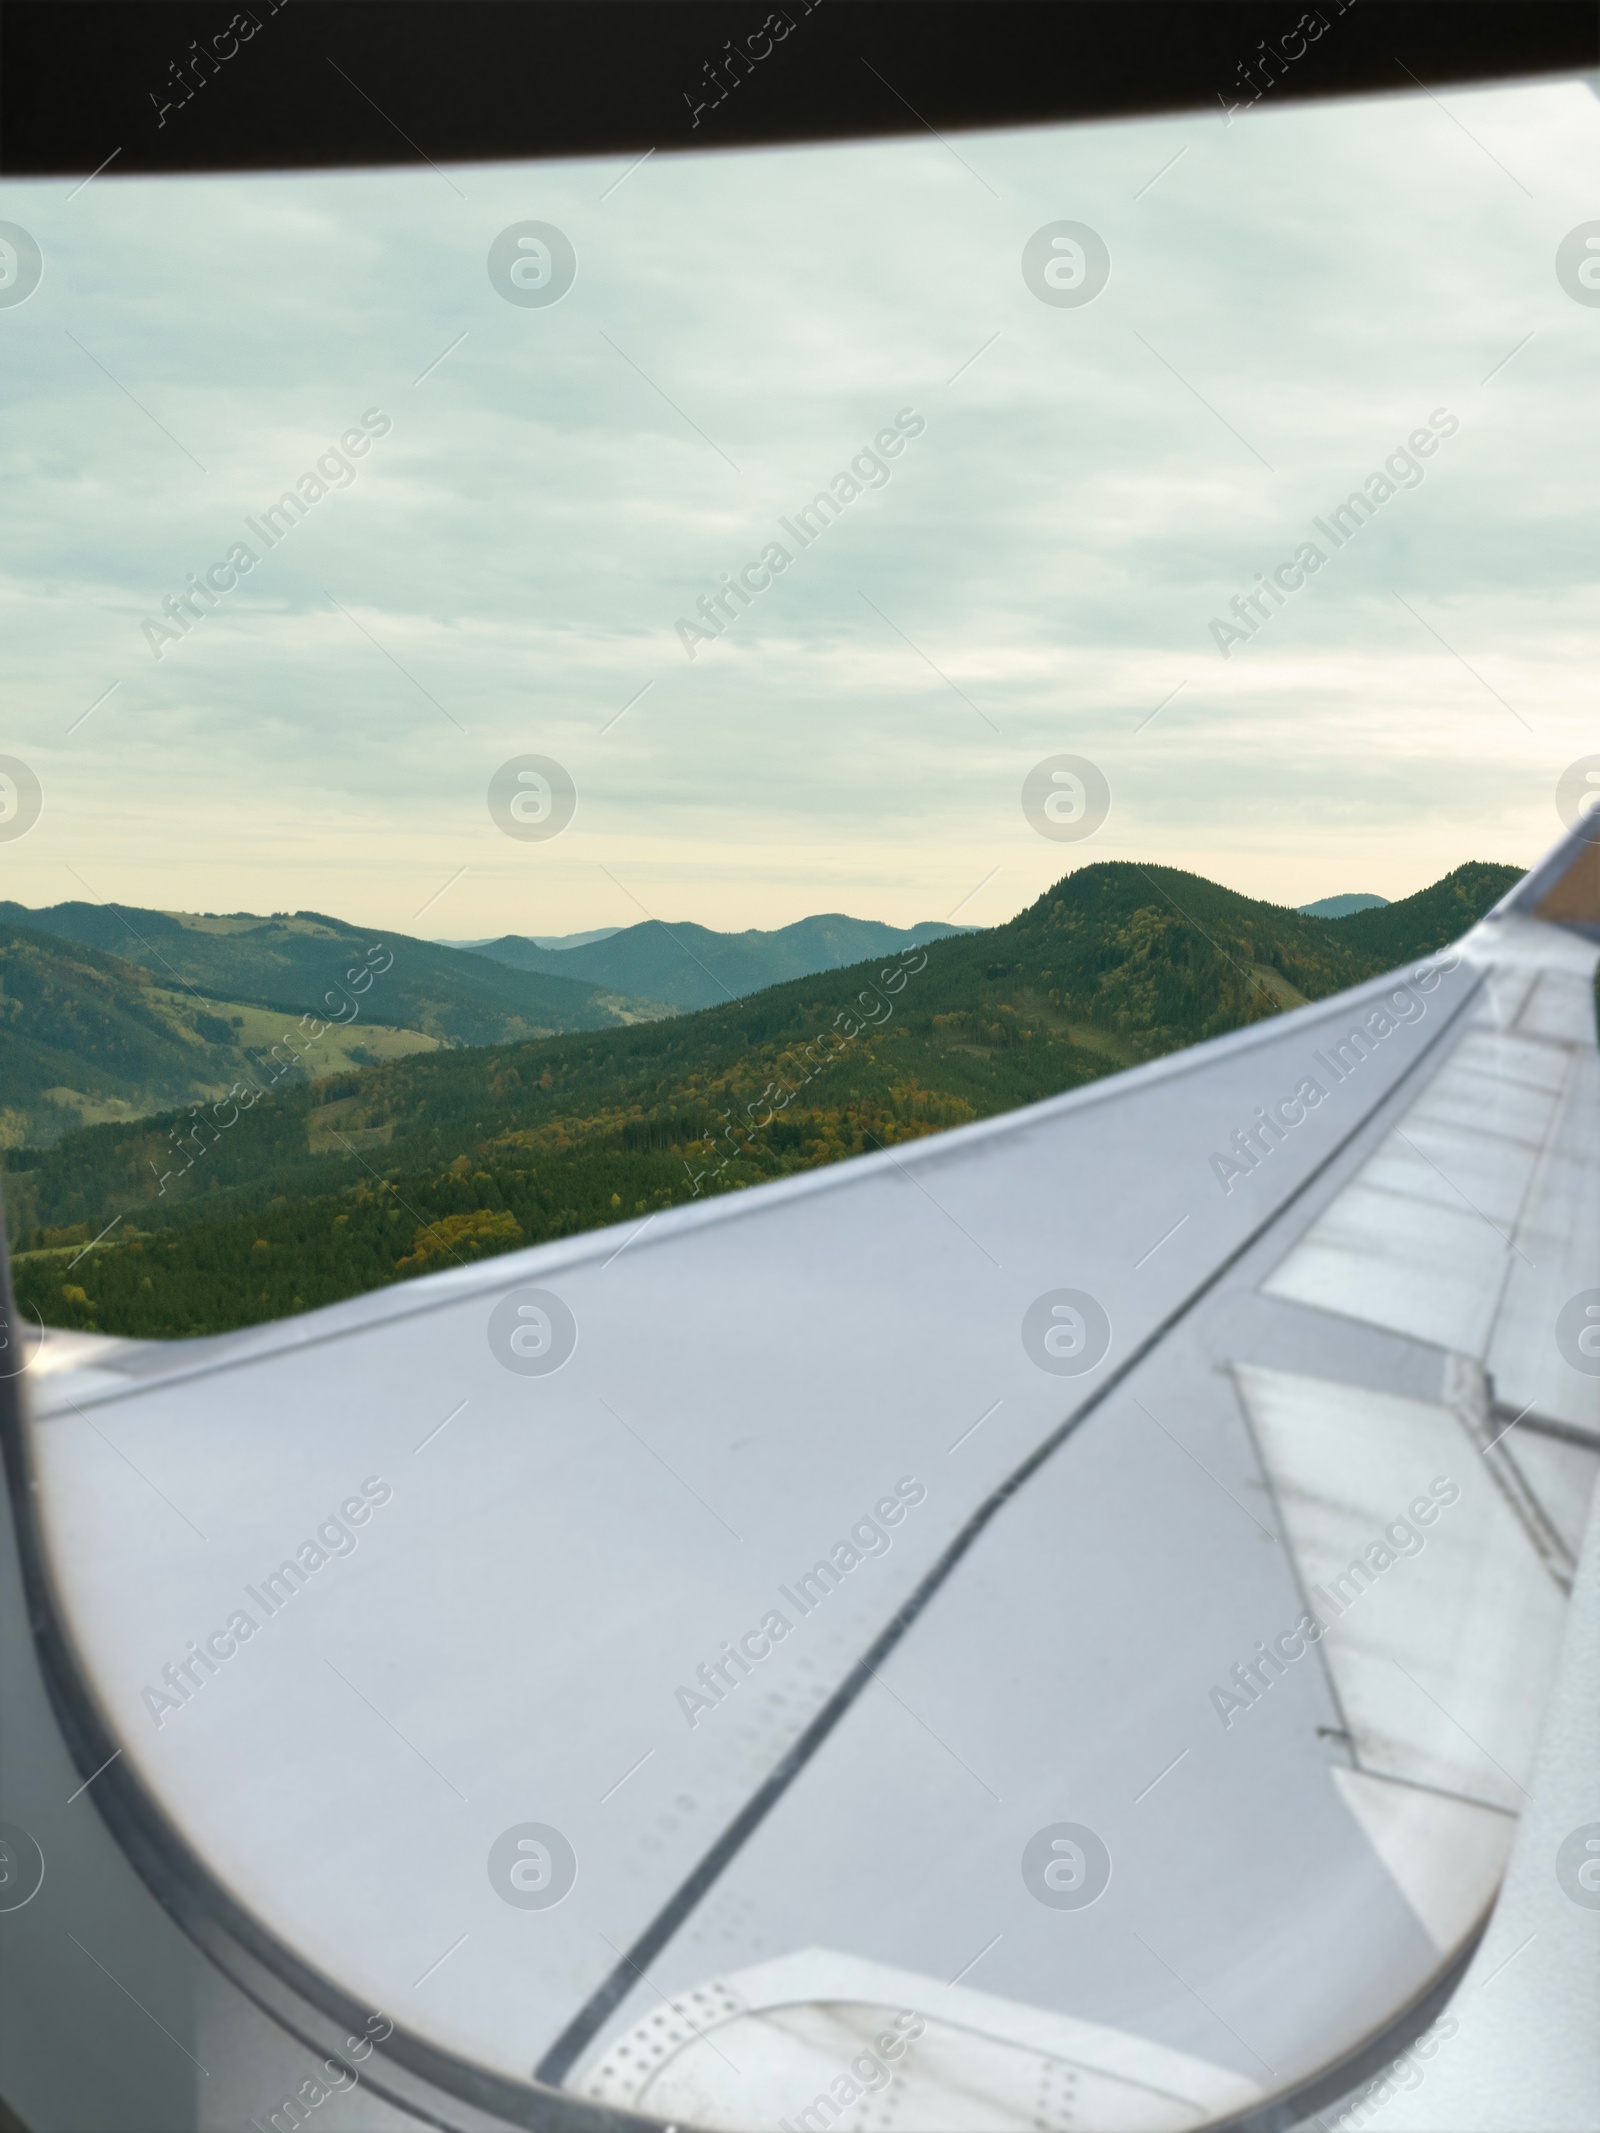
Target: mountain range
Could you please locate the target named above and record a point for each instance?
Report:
(324, 1189)
(110, 1011)
(689, 966)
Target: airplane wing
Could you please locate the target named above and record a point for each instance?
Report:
(1047, 1626)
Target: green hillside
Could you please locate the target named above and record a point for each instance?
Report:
(309, 962)
(1447, 910)
(85, 1036)
(366, 1178)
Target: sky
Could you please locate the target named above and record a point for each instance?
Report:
(502, 572)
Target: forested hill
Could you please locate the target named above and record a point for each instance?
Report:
(365, 1178)
(1446, 911)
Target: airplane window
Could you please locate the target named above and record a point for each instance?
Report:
(801, 1203)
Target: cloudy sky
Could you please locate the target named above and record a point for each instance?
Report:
(1290, 296)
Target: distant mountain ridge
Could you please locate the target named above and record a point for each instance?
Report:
(539, 940)
(1342, 906)
(690, 966)
(571, 940)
